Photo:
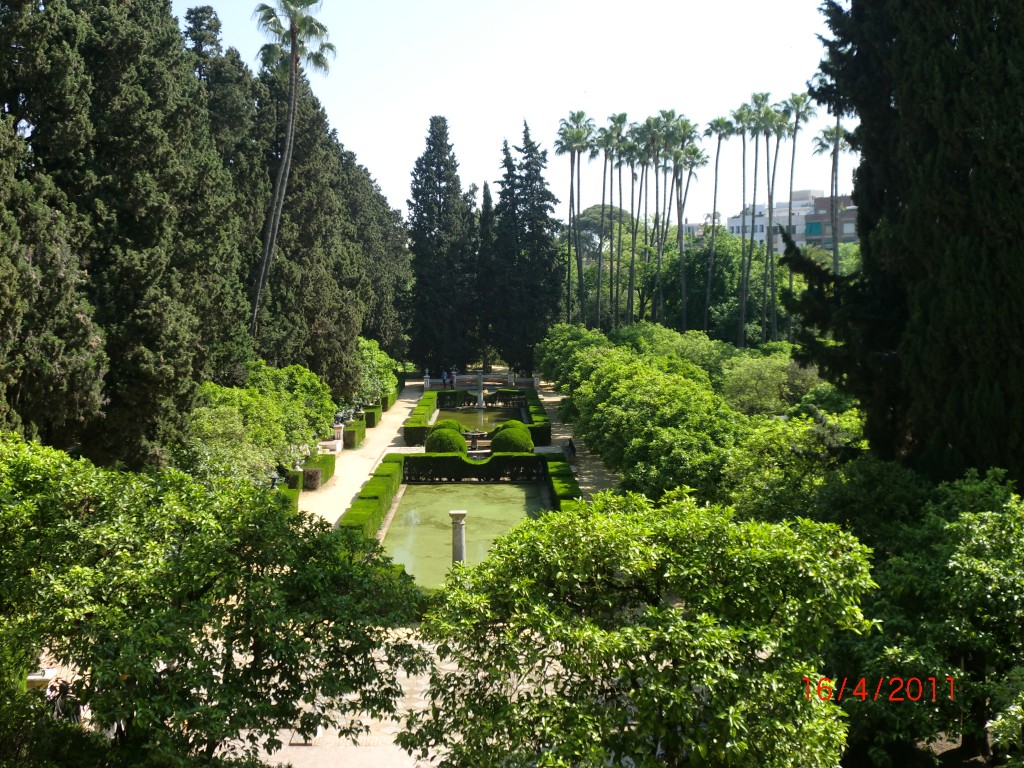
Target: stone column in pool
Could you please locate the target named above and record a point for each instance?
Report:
(458, 517)
(480, 389)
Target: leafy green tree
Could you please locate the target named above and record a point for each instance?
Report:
(297, 38)
(199, 618)
(611, 634)
(377, 372)
(441, 240)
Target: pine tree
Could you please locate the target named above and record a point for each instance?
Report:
(927, 329)
(441, 237)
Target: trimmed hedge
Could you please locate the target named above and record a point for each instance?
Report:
(414, 431)
(455, 398)
(355, 433)
(377, 494)
(372, 415)
(375, 497)
(293, 479)
(512, 440)
(325, 462)
(388, 399)
(540, 423)
(445, 441)
(454, 467)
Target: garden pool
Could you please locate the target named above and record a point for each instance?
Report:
(420, 535)
(480, 420)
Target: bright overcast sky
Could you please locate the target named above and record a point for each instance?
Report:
(487, 65)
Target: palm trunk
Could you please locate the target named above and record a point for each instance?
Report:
(600, 246)
(835, 201)
(618, 267)
(768, 237)
(681, 236)
(771, 234)
(714, 229)
(634, 228)
(748, 265)
(568, 240)
(277, 197)
(581, 287)
(789, 223)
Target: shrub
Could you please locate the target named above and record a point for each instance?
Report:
(416, 427)
(446, 441)
(372, 415)
(325, 462)
(311, 478)
(514, 440)
(355, 433)
(510, 424)
(293, 479)
(445, 424)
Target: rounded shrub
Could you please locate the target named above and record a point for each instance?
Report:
(446, 441)
(510, 424)
(512, 441)
(445, 424)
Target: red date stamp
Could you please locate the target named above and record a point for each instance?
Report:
(886, 688)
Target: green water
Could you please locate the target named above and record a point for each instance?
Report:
(420, 535)
(481, 421)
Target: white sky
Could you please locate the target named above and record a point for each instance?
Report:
(486, 65)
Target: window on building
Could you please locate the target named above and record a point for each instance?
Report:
(849, 228)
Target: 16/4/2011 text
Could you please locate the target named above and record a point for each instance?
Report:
(890, 689)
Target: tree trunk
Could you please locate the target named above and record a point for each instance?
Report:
(568, 240)
(600, 246)
(617, 305)
(714, 228)
(277, 196)
(771, 234)
(581, 287)
(745, 278)
(789, 223)
(835, 201)
(634, 226)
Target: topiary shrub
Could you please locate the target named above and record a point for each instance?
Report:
(446, 441)
(510, 424)
(514, 440)
(445, 424)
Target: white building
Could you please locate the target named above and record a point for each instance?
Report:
(803, 205)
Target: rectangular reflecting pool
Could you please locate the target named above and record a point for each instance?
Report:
(481, 421)
(420, 535)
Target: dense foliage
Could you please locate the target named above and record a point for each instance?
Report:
(920, 333)
(135, 180)
(200, 619)
(611, 634)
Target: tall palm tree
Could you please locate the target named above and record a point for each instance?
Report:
(574, 134)
(800, 109)
(296, 38)
(775, 124)
(722, 128)
(833, 140)
(617, 123)
(604, 145)
(689, 159)
(747, 119)
(632, 155)
(678, 134)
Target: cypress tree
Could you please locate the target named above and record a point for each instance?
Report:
(526, 254)
(441, 241)
(927, 329)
